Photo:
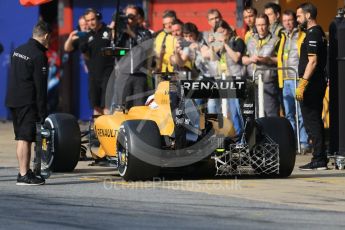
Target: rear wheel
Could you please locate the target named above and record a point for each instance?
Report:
(134, 137)
(280, 131)
(65, 140)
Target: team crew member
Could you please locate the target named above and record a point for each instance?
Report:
(73, 41)
(100, 66)
(288, 56)
(249, 15)
(273, 12)
(213, 16)
(164, 43)
(312, 85)
(131, 76)
(261, 53)
(27, 97)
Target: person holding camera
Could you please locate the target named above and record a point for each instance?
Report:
(100, 66)
(134, 33)
(72, 42)
(131, 70)
(191, 52)
(227, 51)
(27, 96)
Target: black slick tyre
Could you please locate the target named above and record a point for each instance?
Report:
(133, 137)
(66, 141)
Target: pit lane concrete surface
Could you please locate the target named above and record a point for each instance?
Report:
(94, 197)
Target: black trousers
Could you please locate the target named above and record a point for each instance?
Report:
(130, 89)
(271, 99)
(311, 108)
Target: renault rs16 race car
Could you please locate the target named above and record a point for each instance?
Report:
(174, 132)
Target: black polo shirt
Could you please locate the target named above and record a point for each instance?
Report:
(315, 43)
(92, 44)
(76, 47)
(28, 77)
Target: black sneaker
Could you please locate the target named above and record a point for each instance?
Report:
(29, 179)
(314, 165)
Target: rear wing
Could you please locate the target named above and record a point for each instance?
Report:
(213, 88)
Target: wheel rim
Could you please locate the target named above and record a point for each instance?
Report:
(122, 153)
(47, 158)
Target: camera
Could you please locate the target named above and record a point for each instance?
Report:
(217, 43)
(121, 21)
(81, 34)
(184, 43)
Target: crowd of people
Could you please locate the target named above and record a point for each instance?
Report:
(273, 40)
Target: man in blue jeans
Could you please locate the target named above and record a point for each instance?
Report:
(288, 56)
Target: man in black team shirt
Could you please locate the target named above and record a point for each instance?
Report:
(100, 67)
(312, 86)
(27, 97)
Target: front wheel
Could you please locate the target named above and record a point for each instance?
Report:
(134, 137)
(65, 142)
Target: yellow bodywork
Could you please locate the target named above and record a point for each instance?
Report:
(106, 126)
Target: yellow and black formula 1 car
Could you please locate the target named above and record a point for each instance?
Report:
(174, 133)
